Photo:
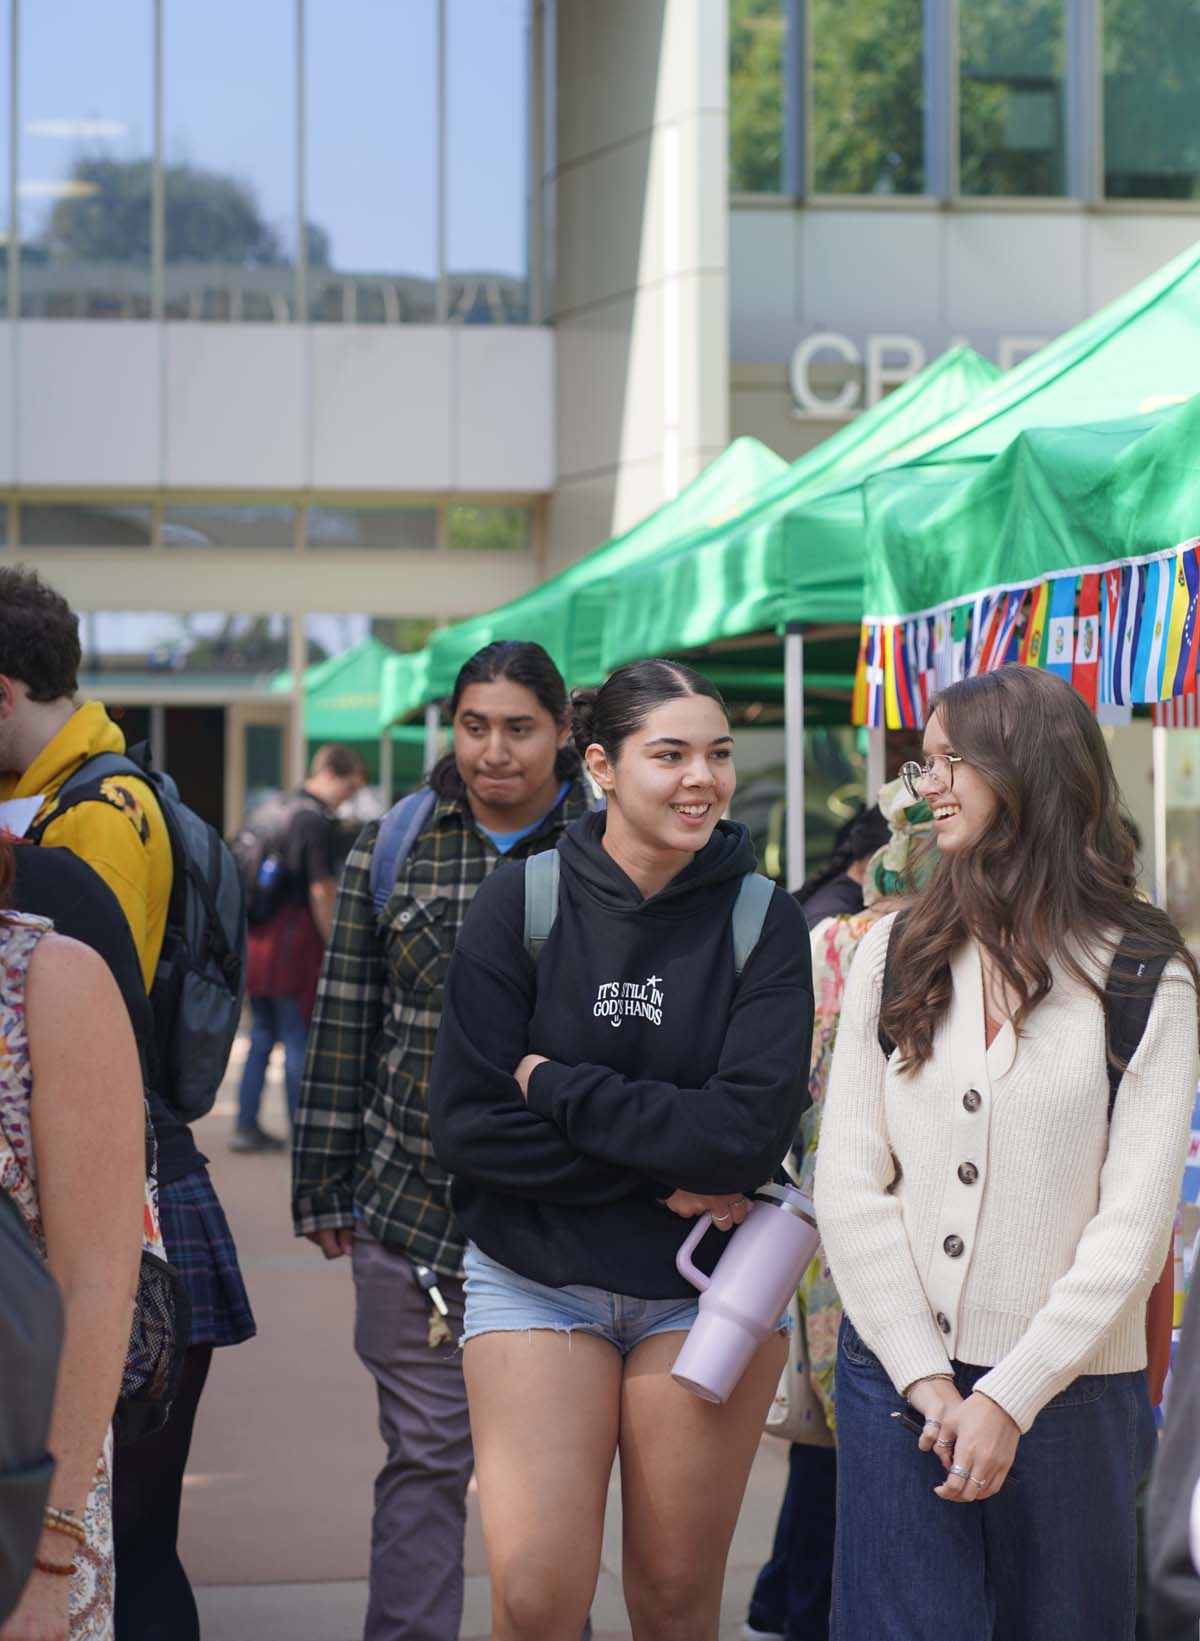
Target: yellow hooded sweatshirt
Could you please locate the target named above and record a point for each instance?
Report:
(124, 838)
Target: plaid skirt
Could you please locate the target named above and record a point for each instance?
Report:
(200, 1245)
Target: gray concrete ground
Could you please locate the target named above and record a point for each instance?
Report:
(277, 1497)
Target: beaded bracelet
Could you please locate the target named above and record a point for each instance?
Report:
(64, 1521)
(54, 1568)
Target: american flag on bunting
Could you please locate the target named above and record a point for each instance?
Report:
(1183, 712)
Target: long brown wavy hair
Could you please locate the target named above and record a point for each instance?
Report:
(1053, 871)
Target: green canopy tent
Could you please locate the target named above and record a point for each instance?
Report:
(542, 615)
(342, 702)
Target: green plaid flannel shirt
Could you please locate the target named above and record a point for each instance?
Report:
(361, 1147)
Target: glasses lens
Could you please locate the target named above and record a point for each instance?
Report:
(911, 773)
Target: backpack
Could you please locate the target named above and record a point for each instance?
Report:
(1127, 1015)
(542, 874)
(398, 832)
(201, 977)
(258, 852)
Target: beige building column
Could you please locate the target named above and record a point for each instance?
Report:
(639, 291)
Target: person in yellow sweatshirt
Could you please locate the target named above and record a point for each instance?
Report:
(44, 738)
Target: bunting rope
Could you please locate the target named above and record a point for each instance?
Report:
(1122, 633)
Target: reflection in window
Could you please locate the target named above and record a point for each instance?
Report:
(371, 121)
(141, 642)
(51, 524)
(1151, 128)
(229, 526)
(229, 118)
(487, 162)
(868, 97)
(489, 529)
(328, 635)
(86, 140)
(371, 526)
(756, 41)
(1011, 104)
(6, 226)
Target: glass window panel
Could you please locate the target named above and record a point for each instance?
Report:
(248, 649)
(868, 97)
(229, 526)
(6, 224)
(264, 763)
(1151, 125)
(229, 121)
(3, 521)
(328, 635)
(489, 528)
(86, 140)
(487, 161)
(1011, 97)
(49, 524)
(371, 155)
(756, 42)
(371, 527)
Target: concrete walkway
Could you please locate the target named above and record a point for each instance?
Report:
(277, 1499)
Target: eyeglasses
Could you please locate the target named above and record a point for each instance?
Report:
(939, 768)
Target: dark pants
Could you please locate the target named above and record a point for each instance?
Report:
(272, 1020)
(154, 1599)
(416, 1590)
(792, 1593)
(1053, 1557)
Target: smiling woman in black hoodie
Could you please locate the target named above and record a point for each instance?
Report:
(585, 1105)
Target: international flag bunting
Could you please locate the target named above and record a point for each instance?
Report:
(1006, 613)
(1152, 631)
(1183, 712)
(983, 612)
(1085, 674)
(1185, 670)
(1033, 647)
(943, 645)
(1178, 596)
(1059, 646)
(1129, 624)
(858, 701)
(897, 687)
(926, 677)
(1110, 612)
(874, 671)
(960, 626)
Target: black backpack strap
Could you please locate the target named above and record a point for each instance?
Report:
(1129, 995)
(83, 786)
(889, 980)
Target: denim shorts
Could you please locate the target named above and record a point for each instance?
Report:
(500, 1301)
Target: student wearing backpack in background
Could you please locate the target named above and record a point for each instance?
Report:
(286, 853)
(365, 1181)
(995, 1199)
(118, 826)
(648, 1067)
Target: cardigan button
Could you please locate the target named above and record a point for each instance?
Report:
(968, 1173)
(954, 1246)
(943, 1321)
(972, 1099)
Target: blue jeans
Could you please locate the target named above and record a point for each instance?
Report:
(791, 1594)
(272, 1020)
(1053, 1557)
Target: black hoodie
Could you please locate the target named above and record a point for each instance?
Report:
(665, 1071)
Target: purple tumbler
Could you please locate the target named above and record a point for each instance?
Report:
(753, 1285)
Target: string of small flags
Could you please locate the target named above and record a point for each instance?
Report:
(1122, 635)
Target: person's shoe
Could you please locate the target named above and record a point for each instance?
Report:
(255, 1139)
(749, 1633)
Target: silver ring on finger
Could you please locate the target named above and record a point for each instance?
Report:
(943, 1441)
(722, 1219)
(981, 1484)
(933, 1424)
(961, 1470)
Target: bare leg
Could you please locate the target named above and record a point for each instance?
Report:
(684, 1467)
(545, 1408)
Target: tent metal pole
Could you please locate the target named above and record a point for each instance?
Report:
(793, 711)
(433, 729)
(876, 763)
(1160, 816)
(387, 770)
(297, 743)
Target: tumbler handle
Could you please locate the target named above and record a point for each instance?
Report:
(683, 1259)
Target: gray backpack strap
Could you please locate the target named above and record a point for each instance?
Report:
(541, 899)
(749, 915)
(398, 832)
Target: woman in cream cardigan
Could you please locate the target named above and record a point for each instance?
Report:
(993, 1236)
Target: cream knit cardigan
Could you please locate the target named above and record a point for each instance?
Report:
(982, 1209)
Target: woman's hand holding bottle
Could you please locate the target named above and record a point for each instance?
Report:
(726, 1211)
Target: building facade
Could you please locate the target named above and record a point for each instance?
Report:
(327, 317)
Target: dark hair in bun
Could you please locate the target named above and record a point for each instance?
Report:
(609, 715)
(521, 663)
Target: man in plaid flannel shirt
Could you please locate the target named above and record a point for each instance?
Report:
(365, 1179)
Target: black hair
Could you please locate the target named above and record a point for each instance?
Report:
(609, 715)
(526, 664)
(39, 636)
(856, 839)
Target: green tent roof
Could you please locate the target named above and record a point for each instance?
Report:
(1055, 501)
(543, 614)
(745, 576)
(342, 694)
